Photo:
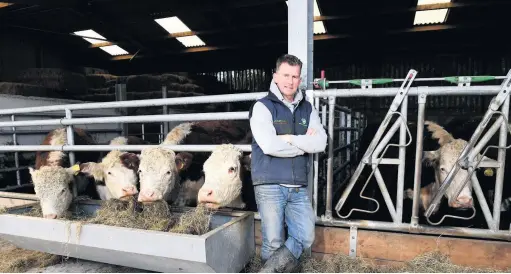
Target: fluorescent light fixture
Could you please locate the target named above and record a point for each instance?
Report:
(4, 4)
(424, 17)
(114, 50)
(319, 26)
(191, 41)
(91, 33)
(174, 25)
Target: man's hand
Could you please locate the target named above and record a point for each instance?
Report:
(311, 132)
(286, 138)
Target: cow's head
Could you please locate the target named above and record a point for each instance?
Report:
(118, 171)
(443, 160)
(159, 172)
(223, 172)
(52, 188)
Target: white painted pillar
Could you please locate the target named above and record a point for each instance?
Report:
(300, 41)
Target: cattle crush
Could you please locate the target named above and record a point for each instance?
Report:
(357, 213)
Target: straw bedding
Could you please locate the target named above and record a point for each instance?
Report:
(431, 262)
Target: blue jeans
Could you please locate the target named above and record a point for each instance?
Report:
(277, 204)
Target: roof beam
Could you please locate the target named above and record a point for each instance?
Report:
(320, 37)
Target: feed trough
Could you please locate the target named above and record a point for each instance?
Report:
(228, 247)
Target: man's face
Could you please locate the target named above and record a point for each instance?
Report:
(287, 78)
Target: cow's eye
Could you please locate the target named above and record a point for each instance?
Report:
(232, 169)
(168, 172)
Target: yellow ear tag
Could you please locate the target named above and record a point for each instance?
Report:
(76, 169)
(181, 165)
(488, 172)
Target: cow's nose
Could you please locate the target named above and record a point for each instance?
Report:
(146, 196)
(464, 202)
(129, 191)
(205, 195)
(50, 216)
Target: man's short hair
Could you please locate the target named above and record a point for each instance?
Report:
(290, 59)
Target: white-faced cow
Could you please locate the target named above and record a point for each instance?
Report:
(177, 177)
(440, 153)
(53, 174)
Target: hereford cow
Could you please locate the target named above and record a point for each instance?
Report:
(177, 178)
(53, 174)
(440, 152)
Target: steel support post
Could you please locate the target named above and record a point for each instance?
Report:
(71, 141)
(330, 166)
(414, 222)
(402, 163)
(165, 111)
(499, 180)
(121, 95)
(300, 43)
(16, 154)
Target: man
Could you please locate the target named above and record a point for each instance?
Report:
(285, 128)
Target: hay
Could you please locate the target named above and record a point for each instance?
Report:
(21, 260)
(148, 82)
(101, 80)
(54, 78)
(430, 262)
(151, 216)
(195, 222)
(24, 89)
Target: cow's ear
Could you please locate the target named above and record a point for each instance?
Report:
(245, 161)
(93, 169)
(31, 170)
(130, 160)
(183, 160)
(430, 158)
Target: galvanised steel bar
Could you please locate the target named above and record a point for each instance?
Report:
(330, 168)
(414, 222)
(16, 154)
(421, 229)
(495, 104)
(71, 141)
(207, 99)
(402, 163)
(191, 148)
(482, 200)
(240, 115)
(414, 91)
(501, 158)
(399, 96)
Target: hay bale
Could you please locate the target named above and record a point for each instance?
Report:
(89, 71)
(54, 78)
(100, 80)
(95, 91)
(151, 83)
(96, 97)
(24, 89)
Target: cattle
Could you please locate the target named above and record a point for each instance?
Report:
(177, 177)
(113, 177)
(440, 152)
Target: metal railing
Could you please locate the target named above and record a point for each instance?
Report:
(324, 101)
(380, 144)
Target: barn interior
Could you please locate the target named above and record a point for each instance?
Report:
(113, 50)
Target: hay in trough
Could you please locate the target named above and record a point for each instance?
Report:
(130, 214)
(100, 80)
(151, 216)
(195, 222)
